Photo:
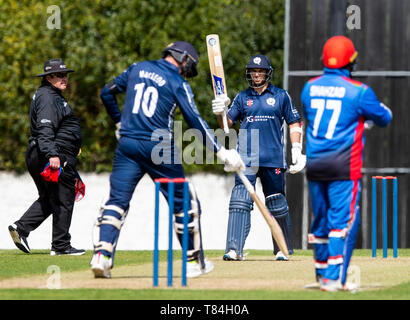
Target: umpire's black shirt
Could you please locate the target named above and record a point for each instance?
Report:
(54, 126)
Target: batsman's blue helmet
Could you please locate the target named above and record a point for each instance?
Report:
(258, 61)
(181, 51)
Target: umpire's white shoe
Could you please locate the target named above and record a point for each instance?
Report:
(70, 251)
(281, 257)
(194, 269)
(101, 265)
(19, 240)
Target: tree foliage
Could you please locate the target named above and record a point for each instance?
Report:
(100, 38)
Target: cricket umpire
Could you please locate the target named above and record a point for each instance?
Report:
(55, 140)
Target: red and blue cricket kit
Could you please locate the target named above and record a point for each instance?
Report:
(336, 107)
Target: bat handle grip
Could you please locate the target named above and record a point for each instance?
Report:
(225, 122)
(245, 182)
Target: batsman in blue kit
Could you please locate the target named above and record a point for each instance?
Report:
(153, 91)
(261, 110)
(336, 108)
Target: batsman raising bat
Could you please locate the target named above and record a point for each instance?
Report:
(154, 89)
(261, 110)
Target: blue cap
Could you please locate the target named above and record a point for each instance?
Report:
(259, 61)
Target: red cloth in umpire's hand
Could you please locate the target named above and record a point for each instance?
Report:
(79, 188)
(49, 174)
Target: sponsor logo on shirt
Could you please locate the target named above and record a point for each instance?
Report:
(259, 118)
(250, 103)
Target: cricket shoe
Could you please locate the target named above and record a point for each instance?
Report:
(350, 287)
(19, 240)
(70, 251)
(329, 285)
(281, 257)
(195, 269)
(101, 265)
(231, 255)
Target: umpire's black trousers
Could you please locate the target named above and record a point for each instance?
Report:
(56, 199)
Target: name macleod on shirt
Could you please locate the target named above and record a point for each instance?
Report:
(153, 76)
(327, 91)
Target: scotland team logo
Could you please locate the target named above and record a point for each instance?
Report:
(271, 101)
(257, 61)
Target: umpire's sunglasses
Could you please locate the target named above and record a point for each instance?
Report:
(61, 75)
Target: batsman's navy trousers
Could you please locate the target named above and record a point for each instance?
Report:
(133, 158)
(272, 179)
(335, 225)
(273, 182)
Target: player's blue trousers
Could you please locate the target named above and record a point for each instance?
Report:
(335, 225)
(132, 159)
(239, 223)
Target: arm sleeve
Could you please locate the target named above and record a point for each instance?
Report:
(110, 102)
(235, 112)
(289, 111)
(121, 81)
(185, 99)
(303, 99)
(372, 109)
(47, 125)
(107, 95)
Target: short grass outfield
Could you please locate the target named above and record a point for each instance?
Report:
(39, 276)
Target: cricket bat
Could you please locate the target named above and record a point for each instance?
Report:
(270, 220)
(217, 71)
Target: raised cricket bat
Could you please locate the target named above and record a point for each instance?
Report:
(270, 220)
(217, 71)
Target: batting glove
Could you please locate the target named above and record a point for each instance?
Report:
(220, 104)
(368, 124)
(298, 159)
(232, 159)
(117, 131)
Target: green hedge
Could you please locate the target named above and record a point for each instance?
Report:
(99, 39)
